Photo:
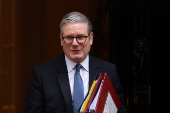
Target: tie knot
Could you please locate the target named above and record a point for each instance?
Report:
(78, 66)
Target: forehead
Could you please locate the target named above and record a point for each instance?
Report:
(75, 28)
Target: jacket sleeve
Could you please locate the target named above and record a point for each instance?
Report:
(117, 86)
(34, 102)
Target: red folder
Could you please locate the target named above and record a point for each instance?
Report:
(106, 89)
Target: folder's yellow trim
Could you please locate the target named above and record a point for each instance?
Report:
(87, 99)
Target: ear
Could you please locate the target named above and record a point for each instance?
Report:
(91, 38)
(61, 40)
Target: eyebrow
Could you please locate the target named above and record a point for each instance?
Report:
(76, 35)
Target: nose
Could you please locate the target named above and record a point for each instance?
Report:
(74, 42)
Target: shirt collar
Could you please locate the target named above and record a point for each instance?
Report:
(70, 64)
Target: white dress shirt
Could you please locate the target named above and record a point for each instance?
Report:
(84, 73)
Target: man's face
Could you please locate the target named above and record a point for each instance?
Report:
(75, 51)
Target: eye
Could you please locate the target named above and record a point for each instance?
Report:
(69, 37)
(80, 37)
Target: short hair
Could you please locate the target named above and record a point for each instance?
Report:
(75, 17)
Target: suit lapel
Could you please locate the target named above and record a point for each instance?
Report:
(62, 76)
(94, 69)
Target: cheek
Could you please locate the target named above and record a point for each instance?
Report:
(86, 49)
(66, 48)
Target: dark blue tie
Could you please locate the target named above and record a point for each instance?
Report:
(78, 89)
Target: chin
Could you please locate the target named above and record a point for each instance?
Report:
(77, 58)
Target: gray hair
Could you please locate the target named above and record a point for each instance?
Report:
(75, 17)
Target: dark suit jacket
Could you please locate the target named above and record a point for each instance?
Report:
(49, 89)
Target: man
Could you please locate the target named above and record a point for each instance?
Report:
(52, 88)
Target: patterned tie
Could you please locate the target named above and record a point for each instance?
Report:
(78, 89)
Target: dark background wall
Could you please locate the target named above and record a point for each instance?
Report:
(139, 45)
(133, 34)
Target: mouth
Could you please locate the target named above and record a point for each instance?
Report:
(75, 51)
